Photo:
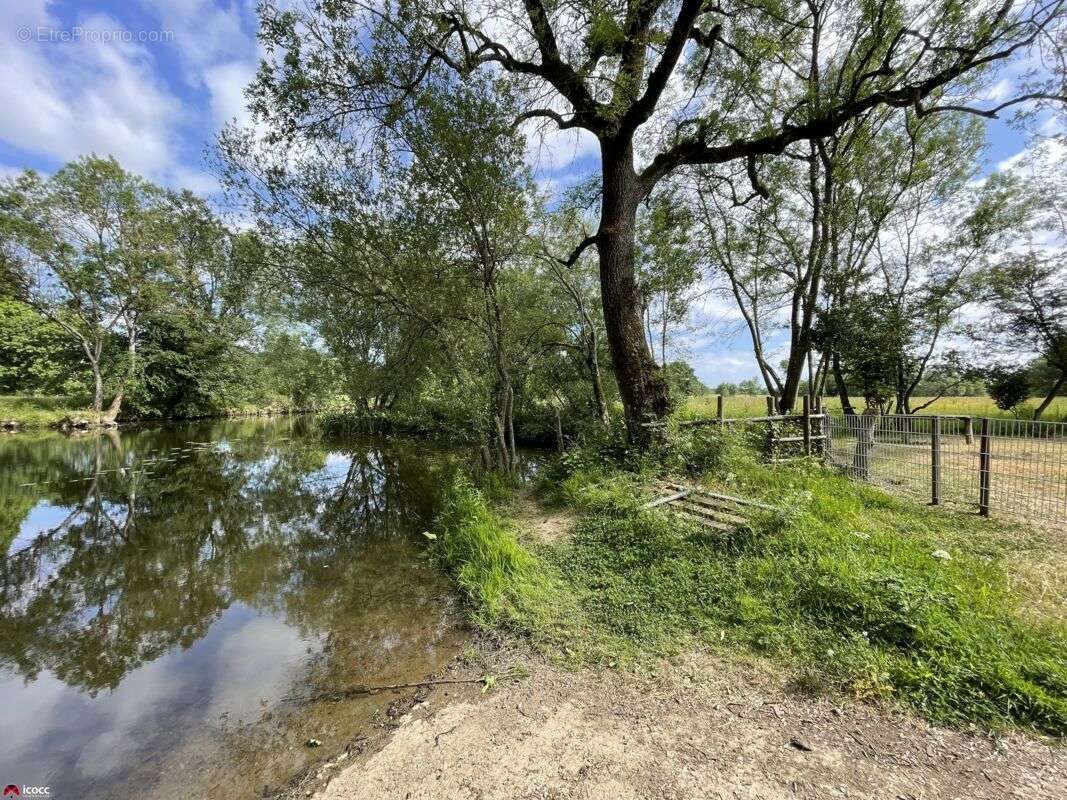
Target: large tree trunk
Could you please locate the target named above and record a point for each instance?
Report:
(1051, 395)
(112, 413)
(641, 384)
(794, 373)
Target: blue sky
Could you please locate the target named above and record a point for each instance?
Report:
(152, 82)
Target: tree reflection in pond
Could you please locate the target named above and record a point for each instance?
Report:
(132, 546)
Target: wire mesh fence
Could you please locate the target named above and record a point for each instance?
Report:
(1007, 467)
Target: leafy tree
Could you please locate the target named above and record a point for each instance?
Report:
(726, 389)
(927, 280)
(90, 245)
(869, 337)
(577, 289)
(1030, 292)
(683, 380)
(36, 356)
(839, 220)
(667, 269)
(661, 85)
(198, 357)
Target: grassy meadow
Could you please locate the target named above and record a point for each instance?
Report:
(752, 405)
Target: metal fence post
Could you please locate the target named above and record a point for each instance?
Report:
(865, 441)
(828, 438)
(984, 477)
(935, 461)
(807, 425)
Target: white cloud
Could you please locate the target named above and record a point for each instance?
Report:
(550, 150)
(217, 47)
(205, 32)
(227, 83)
(998, 92)
(62, 99)
(198, 181)
(110, 94)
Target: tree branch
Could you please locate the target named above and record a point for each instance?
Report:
(583, 245)
(642, 108)
(562, 122)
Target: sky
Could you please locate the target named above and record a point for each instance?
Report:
(151, 82)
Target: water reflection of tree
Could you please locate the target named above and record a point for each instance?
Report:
(145, 563)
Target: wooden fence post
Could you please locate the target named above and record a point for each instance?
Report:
(935, 461)
(968, 429)
(770, 405)
(807, 425)
(984, 477)
(719, 408)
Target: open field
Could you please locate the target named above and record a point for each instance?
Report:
(753, 405)
(1027, 470)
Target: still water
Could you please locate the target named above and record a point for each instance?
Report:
(170, 597)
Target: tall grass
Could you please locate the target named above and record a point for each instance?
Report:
(508, 585)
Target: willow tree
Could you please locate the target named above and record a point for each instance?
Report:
(660, 84)
(88, 248)
(837, 213)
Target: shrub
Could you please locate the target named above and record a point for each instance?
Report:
(1008, 387)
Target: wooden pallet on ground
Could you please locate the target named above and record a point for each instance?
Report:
(718, 512)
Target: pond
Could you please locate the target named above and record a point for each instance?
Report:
(172, 596)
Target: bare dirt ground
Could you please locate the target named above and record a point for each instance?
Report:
(703, 728)
(539, 523)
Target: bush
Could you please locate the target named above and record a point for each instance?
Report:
(1008, 387)
(348, 421)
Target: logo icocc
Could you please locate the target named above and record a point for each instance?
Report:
(11, 790)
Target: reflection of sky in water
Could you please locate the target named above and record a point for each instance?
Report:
(206, 588)
(42, 517)
(244, 658)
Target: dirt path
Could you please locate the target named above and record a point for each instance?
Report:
(705, 729)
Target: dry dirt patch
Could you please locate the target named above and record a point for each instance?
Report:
(540, 523)
(704, 729)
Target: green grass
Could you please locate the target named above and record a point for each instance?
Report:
(31, 411)
(509, 586)
(750, 405)
(842, 589)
